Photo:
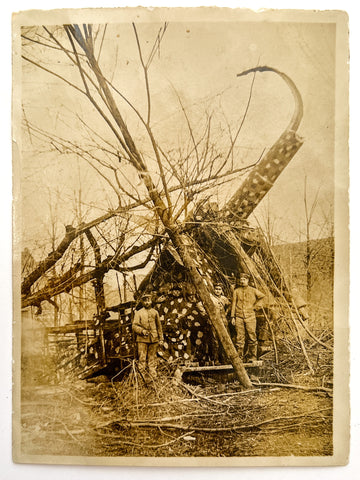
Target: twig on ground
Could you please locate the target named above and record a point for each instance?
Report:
(152, 424)
(315, 423)
(69, 433)
(143, 445)
(90, 404)
(299, 387)
(200, 397)
(57, 420)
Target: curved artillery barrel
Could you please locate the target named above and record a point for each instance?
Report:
(263, 176)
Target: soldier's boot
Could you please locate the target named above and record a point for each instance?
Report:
(252, 355)
(262, 349)
(240, 350)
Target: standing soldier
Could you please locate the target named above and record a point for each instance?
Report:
(221, 304)
(147, 326)
(245, 299)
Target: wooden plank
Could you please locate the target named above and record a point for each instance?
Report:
(120, 357)
(71, 328)
(214, 368)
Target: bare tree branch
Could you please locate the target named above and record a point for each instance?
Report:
(71, 280)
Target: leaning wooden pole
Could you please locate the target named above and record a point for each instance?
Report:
(240, 206)
(183, 245)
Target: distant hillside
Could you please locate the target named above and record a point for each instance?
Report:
(291, 257)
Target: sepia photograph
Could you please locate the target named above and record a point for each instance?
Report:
(180, 242)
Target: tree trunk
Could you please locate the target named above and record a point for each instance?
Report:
(56, 312)
(99, 281)
(183, 244)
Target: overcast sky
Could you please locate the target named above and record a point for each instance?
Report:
(200, 60)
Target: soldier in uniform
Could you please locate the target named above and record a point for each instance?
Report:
(147, 327)
(221, 304)
(245, 299)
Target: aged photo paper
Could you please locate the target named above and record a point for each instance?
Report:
(180, 242)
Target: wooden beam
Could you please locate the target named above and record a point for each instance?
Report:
(217, 368)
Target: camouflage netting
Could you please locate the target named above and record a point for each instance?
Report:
(187, 329)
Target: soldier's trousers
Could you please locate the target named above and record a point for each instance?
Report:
(147, 357)
(245, 326)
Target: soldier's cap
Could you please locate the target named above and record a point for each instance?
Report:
(244, 275)
(217, 285)
(146, 295)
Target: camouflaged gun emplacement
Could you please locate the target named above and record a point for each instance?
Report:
(223, 245)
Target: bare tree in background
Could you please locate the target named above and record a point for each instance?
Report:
(314, 249)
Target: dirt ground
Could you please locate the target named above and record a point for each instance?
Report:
(174, 419)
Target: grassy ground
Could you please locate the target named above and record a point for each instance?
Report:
(170, 418)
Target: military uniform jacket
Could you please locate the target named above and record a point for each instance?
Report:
(147, 321)
(244, 300)
(220, 303)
